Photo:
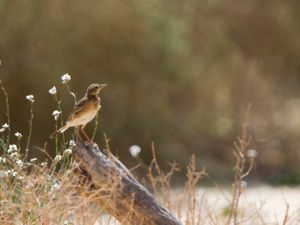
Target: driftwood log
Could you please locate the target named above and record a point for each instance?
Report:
(120, 193)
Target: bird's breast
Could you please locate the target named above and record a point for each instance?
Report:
(88, 116)
(84, 117)
(85, 114)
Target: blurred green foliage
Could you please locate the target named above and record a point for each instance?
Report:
(180, 73)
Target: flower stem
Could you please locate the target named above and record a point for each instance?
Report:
(61, 116)
(7, 111)
(30, 127)
(71, 93)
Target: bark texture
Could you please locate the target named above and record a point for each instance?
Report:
(118, 192)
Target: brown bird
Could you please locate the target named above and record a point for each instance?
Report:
(84, 111)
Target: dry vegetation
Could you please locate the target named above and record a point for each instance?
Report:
(52, 192)
(36, 193)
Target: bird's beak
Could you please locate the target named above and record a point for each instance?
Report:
(103, 86)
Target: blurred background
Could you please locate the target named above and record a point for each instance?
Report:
(180, 74)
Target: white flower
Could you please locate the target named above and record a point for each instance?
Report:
(56, 114)
(135, 150)
(18, 135)
(65, 78)
(33, 159)
(19, 163)
(12, 148)
(251, 153)
(68, 151)
(43, 164)
(21, 178)
(14, 174)
(5, 125)
(52, 91)
(72, 143)
(30, 98)
(57, 158)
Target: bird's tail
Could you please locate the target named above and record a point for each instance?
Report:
(59, 131)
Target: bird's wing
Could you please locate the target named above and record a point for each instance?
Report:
(78, 108)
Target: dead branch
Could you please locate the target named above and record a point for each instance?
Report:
(118, 192)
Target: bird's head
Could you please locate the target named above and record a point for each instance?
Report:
(94, 89)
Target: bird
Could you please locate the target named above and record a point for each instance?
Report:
(84, 111)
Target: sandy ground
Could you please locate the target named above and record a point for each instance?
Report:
(267, 204)
(274, 201)
(258, 205)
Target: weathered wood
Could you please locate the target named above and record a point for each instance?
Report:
(120, 193)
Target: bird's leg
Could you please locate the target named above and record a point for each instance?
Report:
(85, 135)
(78, 138)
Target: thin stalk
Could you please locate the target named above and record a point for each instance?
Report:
(75, 101)
(7, 111)
(141, 162)
(96, 126)
(30, 128)
(19, 143)
(71, 93)
(61, 116)
(56, 139)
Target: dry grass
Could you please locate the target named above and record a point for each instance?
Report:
(36, 193)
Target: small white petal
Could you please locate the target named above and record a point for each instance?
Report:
(65, 78)
(56, 114)
(5, 125)
(251, 153)
(18, 135)
(12, 148)
(30, 98)
(135, 150)
(72, 143)
(57, 158)
(53, 90)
